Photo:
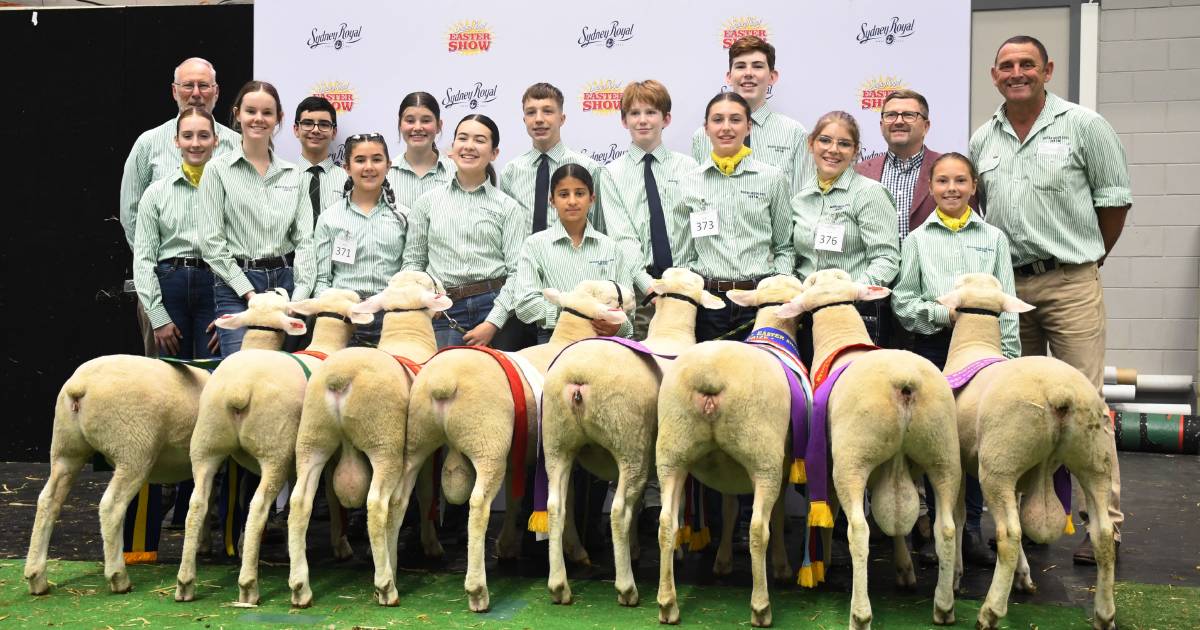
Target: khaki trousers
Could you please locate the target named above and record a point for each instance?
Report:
(1070, 321)
(149, 346)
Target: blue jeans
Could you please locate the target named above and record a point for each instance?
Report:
(188, 298)
(229, 303)
(544, 334)
(711, 324)
(367, 335)
(468, 312)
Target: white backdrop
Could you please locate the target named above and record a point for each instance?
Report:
(478, 56)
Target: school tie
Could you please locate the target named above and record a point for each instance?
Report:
(314, 191)
(541, 194)
(659, 245)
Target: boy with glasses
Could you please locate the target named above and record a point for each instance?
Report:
(323, 180)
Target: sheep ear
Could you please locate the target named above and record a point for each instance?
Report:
(292, 326)
(283, 292)
(615, 316)
(870, 292)
(658, 286)
(743, 298)
(1016, 305)
(791, 308)
(950, 300)
(437, 302)
(371, 305)
(303, 307)
(710, 301)
(553, 295)
(229, 322)
(362, 319)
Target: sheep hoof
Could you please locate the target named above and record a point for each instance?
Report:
(479, 601)
(668, 613)
(119, 582)
(722, 567)
(628, 597)
(432, 549)
(1100, 623)
(38, 584)
(302, 596)
(906, 577)
(987, 620)
(861, 621)
(248, 592)
(561, 593)
(761, 618)
(185, 591)
(1022, 583)
(386, 595)
(943, 617)
(342, 550)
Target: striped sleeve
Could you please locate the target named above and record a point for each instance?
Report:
(301, 237)
(214, 246)
(1106, 168)
(1010, 331)
(135, 178)
(416, 249)
(877, 227)
(145, 258)
(916, 314)
(323, 254)
(700, 146)
(515, 231)
(531, 306)
(783, 251)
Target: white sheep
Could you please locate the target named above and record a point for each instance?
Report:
(462, 399)
(1018, 421)
(890, 416)
(357, 406)
(139, 413)
(250, 411)
(601, 404)
(731, 432)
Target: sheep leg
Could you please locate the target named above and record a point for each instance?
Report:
(572, 545)
(1022, 576)
(781, 569)
(558, 472)
(906, 575)
(121, 490)
(766, 494)
(723, 564)
(337, 534)
(947, 486)
(204, 469)
(274, 473)
(430, 545)
(631, 480)
(1000, 494)
(488, 477)
(50, 501)
(826, 533)
(309, 468)
(851, 488)
(508, 541)
(1096, 493)
(960, 522)
(384, 481)
(671, 486)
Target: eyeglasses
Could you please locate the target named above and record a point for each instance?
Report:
(309, 125)
(204, 88)
(908, 117)
(364, 137)
(826, 142)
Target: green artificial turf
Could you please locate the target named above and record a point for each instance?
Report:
(79, 598)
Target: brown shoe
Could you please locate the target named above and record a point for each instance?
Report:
(1084, 554)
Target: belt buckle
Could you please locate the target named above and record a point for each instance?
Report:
(1039, 267)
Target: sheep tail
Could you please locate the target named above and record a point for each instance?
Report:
(708, 389)
(74, 389)
(443, 385)
(238, 396)
(905, 388)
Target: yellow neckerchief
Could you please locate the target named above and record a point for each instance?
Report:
(952, 223)
(825, 184)
(727, 164)
(193, 174)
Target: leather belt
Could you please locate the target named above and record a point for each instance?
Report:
(184, 261)
(264, 264)
(1036, 267)
(721, 286)
(464, 291)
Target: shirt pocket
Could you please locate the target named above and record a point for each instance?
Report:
(1048, 170)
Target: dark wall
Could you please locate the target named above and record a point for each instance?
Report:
(80, 87)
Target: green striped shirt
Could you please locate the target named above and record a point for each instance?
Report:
(464, 237)
(247, 216)
(409, 187)
(519, 181)
(378, 245)
(333, 181)
(933, 257)
(550, 261)
(754, 220)
(631, 228)
(861, 207)
(775, 139)
(168, 227)
(1043, 192)
(155, 156)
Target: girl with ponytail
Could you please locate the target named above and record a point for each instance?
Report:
(420, 168)
(359, 240)
(468, 234)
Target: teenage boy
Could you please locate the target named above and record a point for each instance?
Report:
(323, 180)
(652, 229)
(774, 138)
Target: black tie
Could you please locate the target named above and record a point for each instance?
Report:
(541, 194)
(659, 245)
(747, 143)
(314, 191)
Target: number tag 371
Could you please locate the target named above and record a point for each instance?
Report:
(343, 249)
(705, 223)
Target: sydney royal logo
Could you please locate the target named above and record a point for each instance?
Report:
(472, 96)
(605, 155)
(469, 37)
(738, 27)
(873, 91)
(341, 36)
(602, 97)
(888, 33)
(339, 93)
(609, 35)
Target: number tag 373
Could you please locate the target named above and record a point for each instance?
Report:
(829, 237)
(705, 223)
(343, 249)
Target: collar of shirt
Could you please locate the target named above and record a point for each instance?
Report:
(760, 115)
(402, 164)
(841, 183)
(556, 154)
(637, 154)
(180, 177)
(325, 164)
(1050, 110)
(972, 219)
(480, 189)
(276, 166)
(380, 206)
(746, 165)
(908, 165)
(557, 233)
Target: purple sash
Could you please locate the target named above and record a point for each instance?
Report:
(962, 378)
(780, 345)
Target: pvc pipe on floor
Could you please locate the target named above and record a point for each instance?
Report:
(1164, 383)
(1151, 408)
(1120, 393)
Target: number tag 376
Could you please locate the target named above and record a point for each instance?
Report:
(829, 237)
(705, 223)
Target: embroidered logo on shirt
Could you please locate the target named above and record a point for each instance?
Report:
(754, 194)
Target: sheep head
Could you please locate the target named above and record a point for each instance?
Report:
(597, 299)
(686, 282)
(780, 288)
(830, 286)
(340, 301)
(268, 309)
(407, 290)
(981, 290)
